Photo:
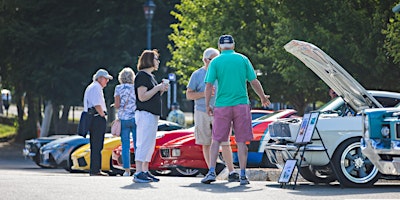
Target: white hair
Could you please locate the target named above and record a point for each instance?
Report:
(126, 75)
(227, 46)
(209, 52)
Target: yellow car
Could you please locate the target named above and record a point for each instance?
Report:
(81, 157)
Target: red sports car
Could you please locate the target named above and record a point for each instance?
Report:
(162, 137)
(183, 153)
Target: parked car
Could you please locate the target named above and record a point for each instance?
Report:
(381, 140)
(57, 154)
(32, 147)
(257, 113)
(339, 125)
(161, 138)
(184, 157)
(81, 157)
(183, 154)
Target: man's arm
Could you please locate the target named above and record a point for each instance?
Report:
(193, 95)
(256, 85)
(208, 92)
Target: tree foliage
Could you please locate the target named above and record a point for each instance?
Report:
(350, 31)
(50, 49)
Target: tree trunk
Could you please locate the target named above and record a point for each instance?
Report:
(48, 113)
(28, 129)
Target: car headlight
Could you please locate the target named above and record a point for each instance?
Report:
(385, 131)
(176, 152)
(61, 147)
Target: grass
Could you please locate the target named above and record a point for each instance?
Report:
(7, 131)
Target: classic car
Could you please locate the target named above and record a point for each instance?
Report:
(339, 125)
(32, 147)
(81, 157)
(184, 157)
(162, 137)
(257, 113)
(183, 154)
(381, 140)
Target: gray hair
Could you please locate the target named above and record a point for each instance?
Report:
(126, 75)
(209, 52)
(227, 46)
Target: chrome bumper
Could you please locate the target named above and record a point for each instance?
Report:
(373, 149)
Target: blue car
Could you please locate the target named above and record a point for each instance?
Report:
(56, 154)
(32, 147)
(381, 140)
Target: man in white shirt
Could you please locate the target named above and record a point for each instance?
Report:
(95, 106)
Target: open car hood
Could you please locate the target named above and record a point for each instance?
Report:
(333, 75)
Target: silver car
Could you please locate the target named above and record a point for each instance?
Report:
(339, 124)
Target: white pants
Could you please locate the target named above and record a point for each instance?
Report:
(146, 130)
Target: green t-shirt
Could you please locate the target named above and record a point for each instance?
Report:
(232, 70)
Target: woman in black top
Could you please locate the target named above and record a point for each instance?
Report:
(148, 109)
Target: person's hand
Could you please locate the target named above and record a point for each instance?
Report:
(209, 111)
(162, 87)
(265, 101)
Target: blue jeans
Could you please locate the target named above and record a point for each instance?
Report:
(127, 126)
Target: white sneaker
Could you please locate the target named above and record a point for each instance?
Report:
(126, 174)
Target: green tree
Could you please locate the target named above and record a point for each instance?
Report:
(392, 41)
(50, 49)
(349, 31)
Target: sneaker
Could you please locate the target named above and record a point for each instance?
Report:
(244, 180)
(126, 174)
(234, 177)
(210, 177)
(152, 177)
(141, 177)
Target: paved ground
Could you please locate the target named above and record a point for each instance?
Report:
(11, 150)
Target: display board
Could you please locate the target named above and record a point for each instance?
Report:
(287, 171)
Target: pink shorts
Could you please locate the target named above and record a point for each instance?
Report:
(238, 117)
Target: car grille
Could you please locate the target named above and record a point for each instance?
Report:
(279, 129)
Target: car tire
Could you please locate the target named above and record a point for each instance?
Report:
(161, 172)
(183, 171)
(353, 168)
(316, 175)
(265, 163)
(190, 172)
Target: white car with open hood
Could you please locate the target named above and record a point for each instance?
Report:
(339, 124)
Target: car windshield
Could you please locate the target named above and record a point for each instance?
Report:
(333, 105)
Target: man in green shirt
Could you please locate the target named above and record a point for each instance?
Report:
(232, 107)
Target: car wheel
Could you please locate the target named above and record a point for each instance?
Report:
(317, 175)
(265, 163)
(161, 172)
(354, 169)
(183, 171)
